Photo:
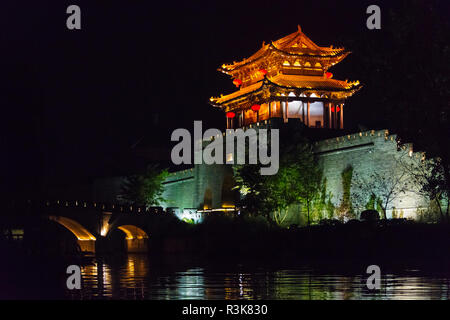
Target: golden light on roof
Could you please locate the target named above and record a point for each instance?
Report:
(294, 63)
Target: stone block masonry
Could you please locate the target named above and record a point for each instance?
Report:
(367, 152)
(209, 186)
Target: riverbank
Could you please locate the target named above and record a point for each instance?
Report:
(255, 239)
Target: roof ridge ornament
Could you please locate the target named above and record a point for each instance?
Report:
(299, 29)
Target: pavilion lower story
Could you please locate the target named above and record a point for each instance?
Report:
(313, 113)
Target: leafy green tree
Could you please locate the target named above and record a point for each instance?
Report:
(144, 189)
(330, 208)
(297, 181)
(370, 205)
(282, 192)
(323, 206)
(346, 208)
(266, 195)
(252, 187)
(308, 180)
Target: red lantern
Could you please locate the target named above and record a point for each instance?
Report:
(263, 71)
(237, 82)
(329, 75)
(338, 109)
(230, 114)
(332, 109)
(256, 107)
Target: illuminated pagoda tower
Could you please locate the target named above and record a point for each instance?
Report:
(286, 79)
(289, 79)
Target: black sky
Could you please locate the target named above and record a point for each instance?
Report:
(74, 102)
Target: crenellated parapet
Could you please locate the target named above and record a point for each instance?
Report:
(366, 139)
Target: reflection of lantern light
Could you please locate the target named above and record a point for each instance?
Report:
(329, 75)
(256, 107)
(263, 72)
(230, 114)
(237, 82)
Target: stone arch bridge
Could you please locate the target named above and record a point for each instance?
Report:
(92, 223)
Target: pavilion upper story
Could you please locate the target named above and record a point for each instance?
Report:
(286, 79)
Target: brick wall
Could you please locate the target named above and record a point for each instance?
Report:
(366, 152)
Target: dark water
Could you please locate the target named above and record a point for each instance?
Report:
(135, 277)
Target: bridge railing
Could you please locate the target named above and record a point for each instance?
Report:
(81, 204)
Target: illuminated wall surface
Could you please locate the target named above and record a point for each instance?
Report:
(369, 152)
(189, 215)
(209, 186)
(203, 187)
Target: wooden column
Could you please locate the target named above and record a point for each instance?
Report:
(243, 118)
(308, 114)
(335, 117)
(270, 109)
(287, 110)
(303, 113)
(323, 115)
(342, 116)
(330, 120)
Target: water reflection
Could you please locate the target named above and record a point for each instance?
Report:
(135, 278)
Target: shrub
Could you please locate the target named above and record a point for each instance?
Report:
(370, 215)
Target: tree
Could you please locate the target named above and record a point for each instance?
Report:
(265, 195)
(298, 180)
(346, 208)
(322, 206)
(415, 37)
(429, 176)
(309, 177)
(144, 189)
(386, 187)
(282, 192)
(251, 185)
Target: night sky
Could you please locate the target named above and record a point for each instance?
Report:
(75, 102)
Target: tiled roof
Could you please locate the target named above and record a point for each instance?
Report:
(296, 43)
(290, 81)
(311, 82)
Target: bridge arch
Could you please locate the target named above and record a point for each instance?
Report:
(133, 232)
(135, 237)
(86, 239)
